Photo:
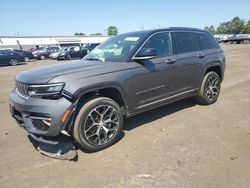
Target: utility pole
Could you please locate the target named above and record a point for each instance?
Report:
(142, 26)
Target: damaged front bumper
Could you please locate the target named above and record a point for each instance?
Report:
(41, 116)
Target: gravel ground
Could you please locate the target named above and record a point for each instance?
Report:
(178, 145)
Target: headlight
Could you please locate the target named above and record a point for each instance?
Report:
(45, 89)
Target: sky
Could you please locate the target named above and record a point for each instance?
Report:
(65, 17)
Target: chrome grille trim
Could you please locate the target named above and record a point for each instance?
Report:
(22, 90)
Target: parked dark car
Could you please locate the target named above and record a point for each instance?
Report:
(27, 55)
(35, 48)
(43, 53)
(73, 52)
(126, 75)
(91, 46)
(8, 57)
(77, 51)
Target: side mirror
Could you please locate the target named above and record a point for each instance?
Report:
(145, 53)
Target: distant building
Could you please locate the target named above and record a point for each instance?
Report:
(31, 41)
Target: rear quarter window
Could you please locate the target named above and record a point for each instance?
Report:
(184, 42)
(206, 42)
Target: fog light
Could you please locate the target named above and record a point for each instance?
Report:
(47, 122)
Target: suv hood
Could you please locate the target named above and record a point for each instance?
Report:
(86, 68)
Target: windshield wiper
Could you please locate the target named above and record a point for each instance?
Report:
(93, 59)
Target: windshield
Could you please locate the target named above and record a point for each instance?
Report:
(40, 49)
(116, 49)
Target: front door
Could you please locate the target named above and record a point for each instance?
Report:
(151, 78)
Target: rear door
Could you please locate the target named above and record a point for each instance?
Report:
(189, 59)
(209, 48)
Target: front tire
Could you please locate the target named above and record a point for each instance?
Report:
(26, 59)
(98, 124)
(42, 57)
(68, 57)
(210, 89)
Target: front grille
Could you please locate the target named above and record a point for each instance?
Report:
(22, 90)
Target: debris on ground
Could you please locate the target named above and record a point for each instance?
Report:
(233, 158)
(60, 147)
(144, 175)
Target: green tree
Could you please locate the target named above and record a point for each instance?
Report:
(224, 28)
(236, 25)
(83, 34)
(246, 28)
(96, 34)
(210, 29)
(112, 30)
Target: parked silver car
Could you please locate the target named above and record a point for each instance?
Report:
(56, 54)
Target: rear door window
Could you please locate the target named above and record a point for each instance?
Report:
(161, 42)
(184, 42)
(205, 41)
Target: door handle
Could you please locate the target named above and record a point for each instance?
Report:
(170, 61)
(200, 55)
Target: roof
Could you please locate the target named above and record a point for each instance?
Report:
(165, 29)
(51, 36)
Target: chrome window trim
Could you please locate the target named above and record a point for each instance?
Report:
(149, 38)
(172, 31)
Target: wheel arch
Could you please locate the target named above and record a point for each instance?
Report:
(113, 92)
(216, 67)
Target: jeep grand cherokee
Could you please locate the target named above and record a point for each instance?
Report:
(127, 74)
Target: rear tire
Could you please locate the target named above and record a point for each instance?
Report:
(210, 89)
(42, 57)
(13, 62)
(98, 124)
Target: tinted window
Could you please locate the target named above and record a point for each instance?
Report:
(71, 48)
(184, 42)
(205, 41)
(161, 42)
(7, 52)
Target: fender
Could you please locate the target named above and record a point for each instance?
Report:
(115, 85)
(209, 65)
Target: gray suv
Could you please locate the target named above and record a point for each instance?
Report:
(126, 75)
